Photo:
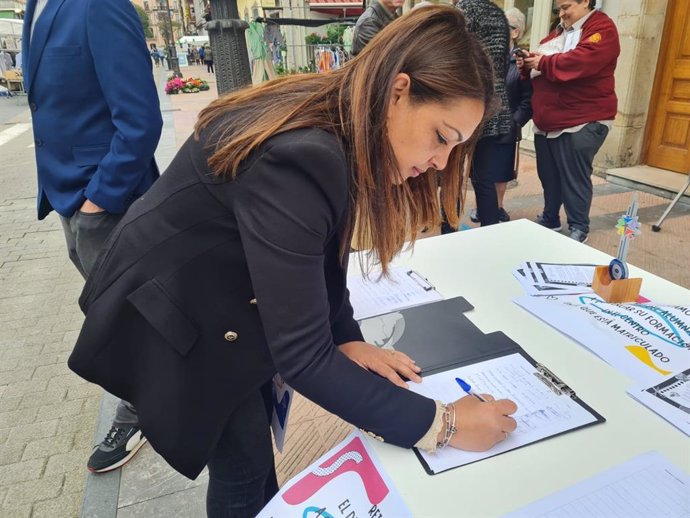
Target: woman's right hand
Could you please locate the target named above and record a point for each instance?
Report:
(480, 425)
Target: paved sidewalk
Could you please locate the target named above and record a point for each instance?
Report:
(48, 416)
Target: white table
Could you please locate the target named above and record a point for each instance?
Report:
(477, 265)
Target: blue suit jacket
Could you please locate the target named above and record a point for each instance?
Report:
(95, 109)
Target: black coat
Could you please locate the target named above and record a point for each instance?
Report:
(171, 322)
(519, 98)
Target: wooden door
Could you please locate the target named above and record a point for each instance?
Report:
(667, 142)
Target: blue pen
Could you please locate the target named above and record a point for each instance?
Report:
(466, 387)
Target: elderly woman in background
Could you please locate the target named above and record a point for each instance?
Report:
(519, 91)
(574, 106)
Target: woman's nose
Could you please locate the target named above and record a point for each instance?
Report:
(440, 161)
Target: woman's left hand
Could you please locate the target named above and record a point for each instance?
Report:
(384, 362)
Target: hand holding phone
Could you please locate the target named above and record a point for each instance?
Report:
(520, 53)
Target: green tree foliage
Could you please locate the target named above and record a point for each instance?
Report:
(145, 21)
(165, 33)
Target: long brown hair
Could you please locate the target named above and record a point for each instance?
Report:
(444, 61)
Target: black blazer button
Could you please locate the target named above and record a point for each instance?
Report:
(231, 336)
(33, 107)
(38, 142)
(253, 301)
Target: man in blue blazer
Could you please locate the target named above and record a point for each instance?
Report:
(96, 123)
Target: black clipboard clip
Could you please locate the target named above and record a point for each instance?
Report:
(553, 382)
(423, 283)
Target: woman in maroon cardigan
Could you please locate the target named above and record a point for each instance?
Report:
(574, 104)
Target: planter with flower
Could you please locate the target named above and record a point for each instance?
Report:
(191, 85)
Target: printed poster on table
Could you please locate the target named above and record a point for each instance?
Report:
(669, 398)
(348, 481)
(646, 341)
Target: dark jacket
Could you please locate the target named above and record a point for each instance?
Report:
(489, 23)
(519, 91)
(96, 125)
(578, 87)
(369, 24)
(170, 324)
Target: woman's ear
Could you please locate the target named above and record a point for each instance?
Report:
(401, 87)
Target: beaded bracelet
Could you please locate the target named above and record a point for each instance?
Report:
(449, 419)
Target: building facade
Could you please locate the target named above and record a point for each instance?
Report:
(157, 11)
(12, 9)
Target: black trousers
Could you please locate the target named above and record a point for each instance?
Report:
(564, 166)
(242, 476)
(483, 183)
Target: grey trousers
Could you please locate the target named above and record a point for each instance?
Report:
(564, 166)
(85, 235)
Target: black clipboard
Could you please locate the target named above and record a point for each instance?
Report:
(439, 337)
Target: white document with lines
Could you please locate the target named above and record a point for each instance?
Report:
(648, 486)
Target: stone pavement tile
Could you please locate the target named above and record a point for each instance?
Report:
(65, 408)
(11, 454)
(77, 423)
(26, 387)
(50, 371)
(10, 377)
(66, 463)
(65, 506)
(44, 488)
(18, 417)
(190, 503)
(39, 399)
(9, 404)
(87, 390)
(23, 511)
(21, 472)
(68, 380)
(37, 361)
(148, 476)
(75, 480)
(29, 432)
(9, 365)
(4, 434)
(43, 448)
(16, 348)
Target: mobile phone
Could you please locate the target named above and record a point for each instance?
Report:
(520, 52)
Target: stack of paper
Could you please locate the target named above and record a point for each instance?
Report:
(540, 279)
(404, 288)
(669, 398)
